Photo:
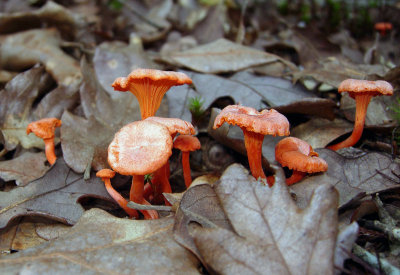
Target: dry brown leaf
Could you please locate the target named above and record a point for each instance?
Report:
(271, 234)
(24, 168)
(55, 195)
(319, 132)
(101, 243)
(25, 49)
(221, 56)
(363, 172)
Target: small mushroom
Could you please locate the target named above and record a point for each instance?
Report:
(255, 125)
(161, 176)
(149, 87)
(106, 175)
(362, 91)
(186, 144)
(299, 156)
(45, 128)
(383, 27)
(140, 148)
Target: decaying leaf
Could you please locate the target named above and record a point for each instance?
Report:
(245, 88)
(221, 56)
(51, 14)
(25, 49)
(364, 172)
(116, 246)
(55, 195)
(271, 235)
(24, 168)
(319, 132)
(15, 107)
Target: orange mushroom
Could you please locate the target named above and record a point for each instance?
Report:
(362, 91)
(255, 125)
(106, 175)
(160, 177)
(149, 87)
(299, 156)
(45, 128)
(140, 148)
(383, 27)
(187, 144)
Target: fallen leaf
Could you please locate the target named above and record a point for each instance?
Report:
(221, 56)
(24, 168)
(16, 104)
(25, 49)
(211, 28)
(319, 132)
(350, 175)
(51, 14)
(271, 234)
(117, 246)
(245, 88)
(55, 195)
(344, 243)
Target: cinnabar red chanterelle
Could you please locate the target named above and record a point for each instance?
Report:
(140, 148)
(255, 125)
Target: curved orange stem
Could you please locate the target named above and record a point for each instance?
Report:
(295, 177)
(362, 102)
(161, 184)
(49, 150)
(136, 195)
(253, 143)
(119, 199)
(186, 169)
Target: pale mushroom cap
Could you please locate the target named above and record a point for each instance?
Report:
(174, 125)
(140, 148)
(187, 143)
(298, 155)
(357, 86)
(105, 173)
(266, 122)
(164, 78)
(44, 128)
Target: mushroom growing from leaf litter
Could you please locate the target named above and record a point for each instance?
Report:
(255, 125)
(160, 177)
(299, 156)
(140, 148)
(45, 128)
(362, 91)
(106, 175)
(149, 87)
(383, 27)
(187, 144)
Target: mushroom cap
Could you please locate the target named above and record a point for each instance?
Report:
(43, 128)
(298, 155)
(174, 125)
(162, 78)
(105, 173)
(358, 87)
(266, 122)
(383, 26)
(187, 143)
(140, 148)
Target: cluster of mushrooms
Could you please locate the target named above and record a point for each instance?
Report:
(144, 147)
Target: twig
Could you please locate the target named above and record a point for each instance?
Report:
(374, 261)
(138, 206)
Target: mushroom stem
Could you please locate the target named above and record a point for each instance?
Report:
(186, 169)
(136, 195)
(295, 177)
(119, 199)
(49, 150)
(362, 102)
(253, 143)
(161, 184)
